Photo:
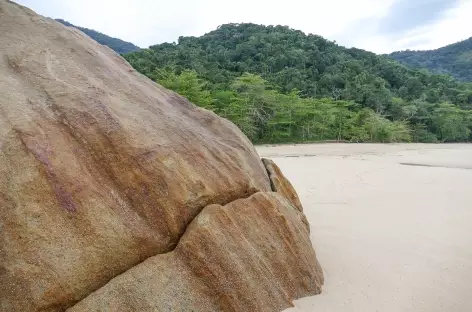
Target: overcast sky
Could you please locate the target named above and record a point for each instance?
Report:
(376, 25)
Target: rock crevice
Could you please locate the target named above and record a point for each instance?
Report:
(204, 260)
(279, 184)
(171, 248)
(252, 254)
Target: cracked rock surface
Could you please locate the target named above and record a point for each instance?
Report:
(252, 254)
(101, 173)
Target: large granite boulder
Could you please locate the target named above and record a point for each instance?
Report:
(102, 169)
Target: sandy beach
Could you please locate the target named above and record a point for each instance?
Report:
(391, 224)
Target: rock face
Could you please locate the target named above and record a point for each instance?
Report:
(101, 169)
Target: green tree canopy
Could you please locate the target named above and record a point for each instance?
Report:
(279, 84)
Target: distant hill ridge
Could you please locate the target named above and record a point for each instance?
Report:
(454, 59)
(116, 44)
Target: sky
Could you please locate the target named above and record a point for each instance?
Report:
(381, 26)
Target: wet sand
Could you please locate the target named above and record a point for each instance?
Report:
(391, 224)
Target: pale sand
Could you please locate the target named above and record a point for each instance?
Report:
(390, 237)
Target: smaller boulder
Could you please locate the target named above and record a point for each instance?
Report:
(280, 184)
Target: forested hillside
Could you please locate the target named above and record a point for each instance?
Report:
(454, 59)
(116, 44)
(281, 85)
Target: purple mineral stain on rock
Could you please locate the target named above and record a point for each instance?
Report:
(43, 155)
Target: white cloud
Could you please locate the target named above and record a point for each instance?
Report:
(351, 23)
(454, 27)
(450, 27)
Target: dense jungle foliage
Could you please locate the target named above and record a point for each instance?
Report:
(281, 85)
